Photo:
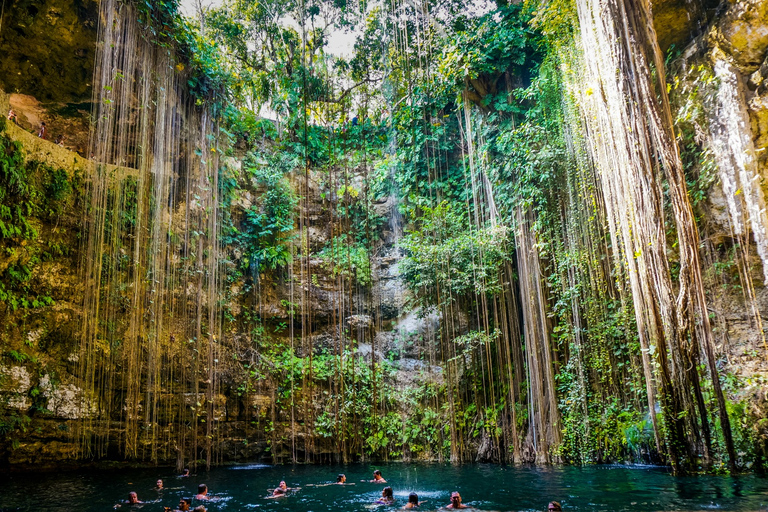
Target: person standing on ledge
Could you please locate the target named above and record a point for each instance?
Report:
(456, 501)
(42, 133)
(377, 478)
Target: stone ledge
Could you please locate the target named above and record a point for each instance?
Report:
(56, 156)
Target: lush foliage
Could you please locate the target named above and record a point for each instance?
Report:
(31, 194)
(473, 125)
(447, 256)
(449, 146)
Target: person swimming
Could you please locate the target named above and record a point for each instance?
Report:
(341, 478)
(202, 492)
(554, 506)
(159, 485)
(281, 489)
(387, 496)
(456, 501)
(184, 504)
(133, 499)
(377, 478)
(413, 501)
(184, 473)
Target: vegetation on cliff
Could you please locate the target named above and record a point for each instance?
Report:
(457, 241)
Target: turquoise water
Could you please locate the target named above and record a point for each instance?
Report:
(484, 487)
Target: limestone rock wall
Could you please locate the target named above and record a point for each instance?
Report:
(728, 62)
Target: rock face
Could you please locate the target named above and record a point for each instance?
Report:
(43, 406)
(678, 21)
(742, 33)
(48, 49)
(734, 49)
(737, 42)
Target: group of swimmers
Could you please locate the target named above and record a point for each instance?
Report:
(388, 498)
(185, 504)
(387, 495)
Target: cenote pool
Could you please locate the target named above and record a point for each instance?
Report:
(483, 487)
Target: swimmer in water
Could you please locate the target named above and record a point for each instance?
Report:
(184, 473)
(377, 478)
(341, 479)
(456, 501)
(554, 506)
(133, 499)
(413, 501)
(159, 485)
(202, 492)
(200, 508)
(387, 498)
(184, 504)
(281, 489)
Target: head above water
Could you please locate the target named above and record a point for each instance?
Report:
(200, 508)
(283, 485)
(377, 475)
(413, 498)
(185, 472)
(341, 478)
(133, 497)
(159, 484)
(184, 504)
(202, 489)
(387, 493)
(455, 497)
(554, 506)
